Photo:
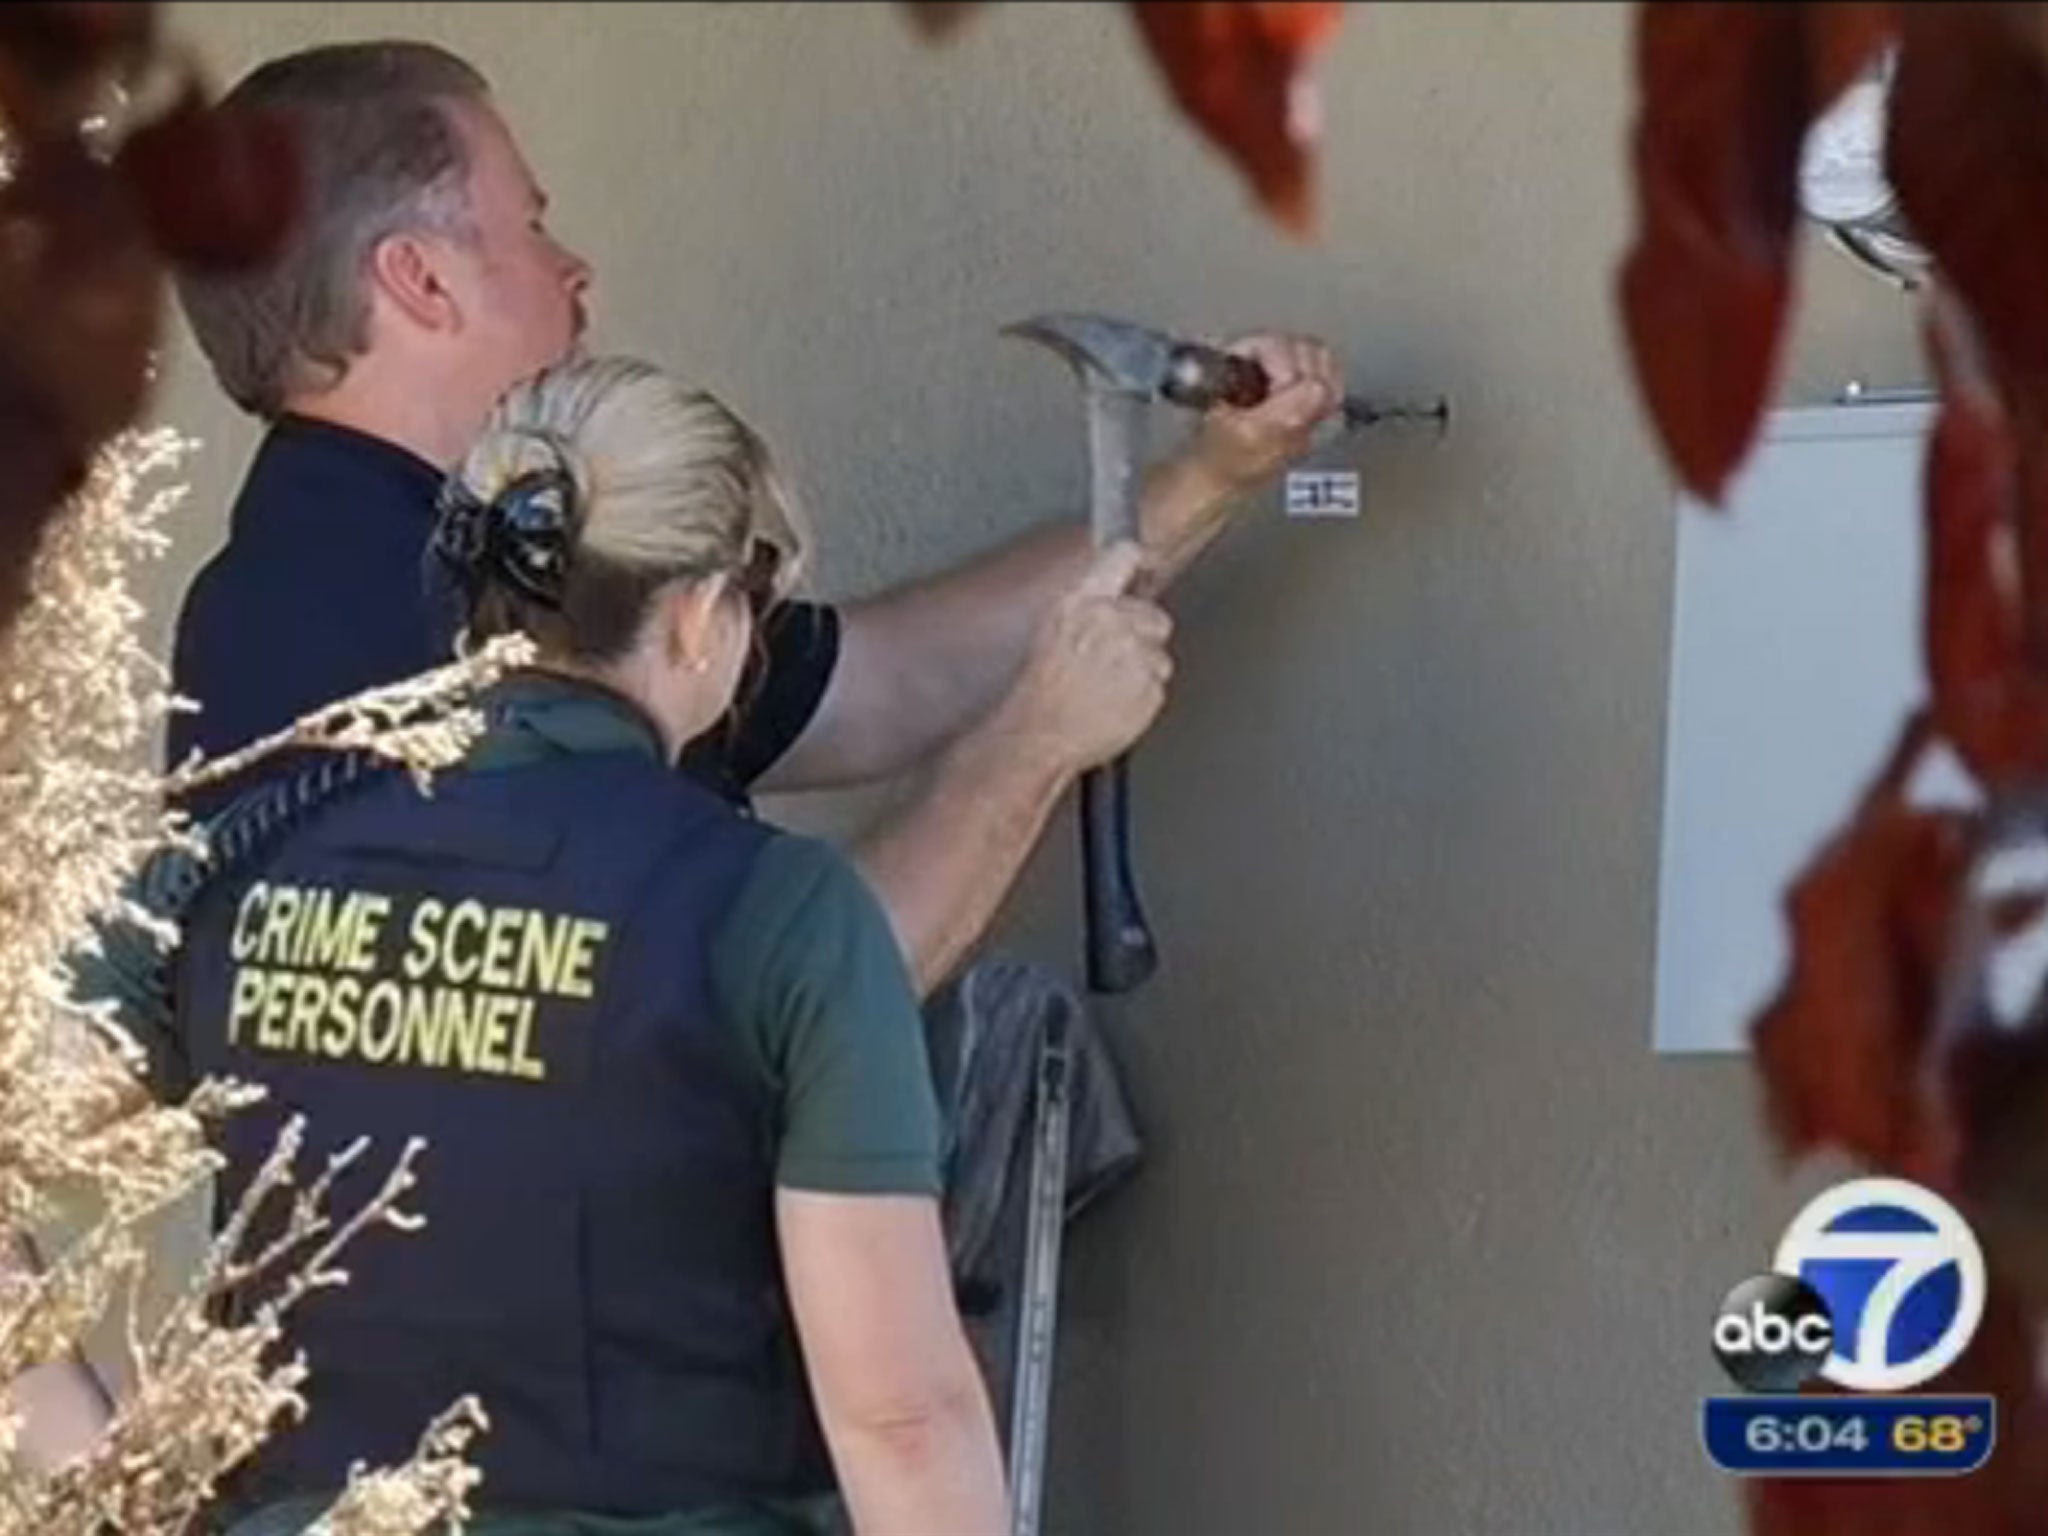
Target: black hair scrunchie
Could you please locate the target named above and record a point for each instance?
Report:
(522, 535)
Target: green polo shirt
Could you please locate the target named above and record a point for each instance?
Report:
(805, 971)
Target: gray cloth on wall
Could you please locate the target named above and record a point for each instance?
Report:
(985, 1030)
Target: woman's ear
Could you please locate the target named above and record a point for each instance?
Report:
(692, 626)
(406, 271)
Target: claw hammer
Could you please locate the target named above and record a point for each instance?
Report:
(1123, 368)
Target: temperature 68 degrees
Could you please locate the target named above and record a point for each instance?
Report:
(1944, 1434)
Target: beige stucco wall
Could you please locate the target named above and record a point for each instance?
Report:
(1428, 1238)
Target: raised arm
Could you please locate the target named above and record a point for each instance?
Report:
(1095, 679)
(1005, 680)
(922, 664)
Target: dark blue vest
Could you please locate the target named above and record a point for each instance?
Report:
(516, 970)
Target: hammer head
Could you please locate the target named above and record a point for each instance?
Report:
(1112, 354)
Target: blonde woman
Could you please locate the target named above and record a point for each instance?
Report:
(682, 1231)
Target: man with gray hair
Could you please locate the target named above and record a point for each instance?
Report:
(422, 283)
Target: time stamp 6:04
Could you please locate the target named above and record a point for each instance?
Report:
(1789, 1434)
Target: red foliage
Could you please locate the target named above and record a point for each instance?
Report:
(55, 54)
(1239, 69)
(938, 18)
(79, 307)
(81, 269)
(1849, 1050)
(1842, 37)
(1726, 94)
(1969, 160)
(2008, 1496)
(1991, 702)
(1840, 1046)
(214, 189)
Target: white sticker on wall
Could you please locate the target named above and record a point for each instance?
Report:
(1323, 493)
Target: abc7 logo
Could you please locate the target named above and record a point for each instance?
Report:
(1878, 1286)
(1773, 1333)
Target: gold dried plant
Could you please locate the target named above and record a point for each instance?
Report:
(80, 700)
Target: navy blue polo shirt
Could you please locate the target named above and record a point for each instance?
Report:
(324, 589)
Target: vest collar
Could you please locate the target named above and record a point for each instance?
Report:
(533, 714)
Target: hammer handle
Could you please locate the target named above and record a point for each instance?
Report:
(1199, 377)
(1120, 949)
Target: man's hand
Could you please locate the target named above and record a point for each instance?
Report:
(1092, 681)
(1240, 448)
(1096, 674)
(1030, 667)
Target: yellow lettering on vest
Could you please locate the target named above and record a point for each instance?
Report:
(309, 999)
(248, 994)
(371, 910)
(337, 1026)
(541, 948)
(295, 943)
(385, 999)
(501, 947)
(327, 927)
(413, 1031)
(467, 915)
(448, 1006)
(465, 1023)
(310, 901)
(277, 997)
(524, 1063)
(490, 1051)
(343, 999)
(423, 941)
(586, 935)
(274, 947)
(243, 944)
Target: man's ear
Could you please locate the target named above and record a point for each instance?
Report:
(406, 271)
